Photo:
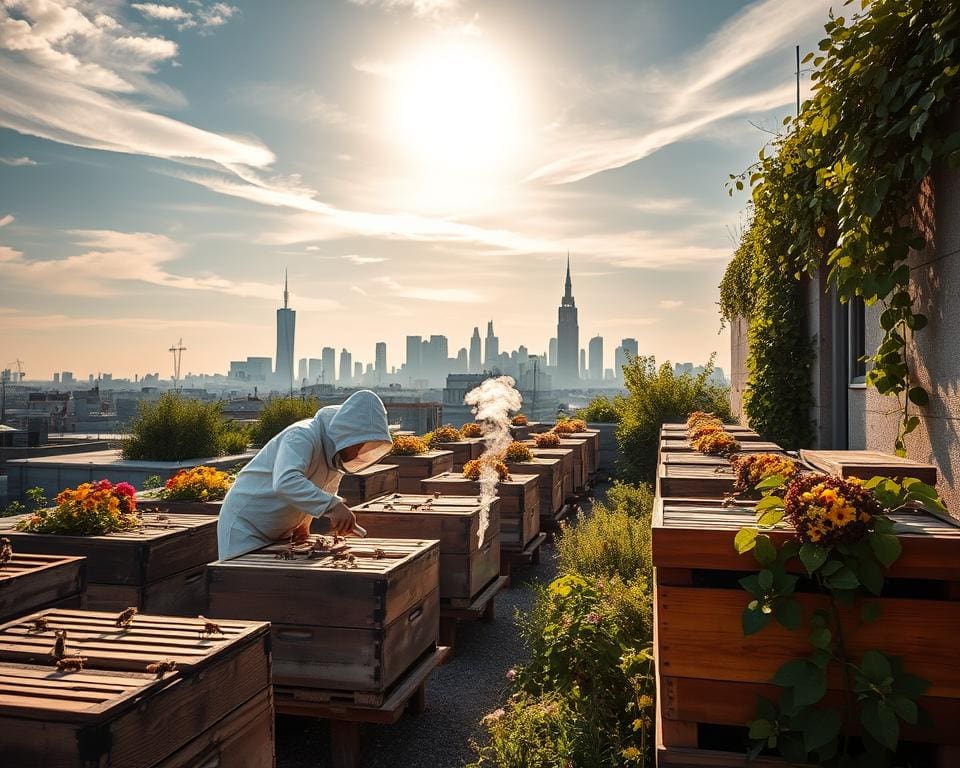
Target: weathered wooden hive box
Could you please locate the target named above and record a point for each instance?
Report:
(464, 450)
(521, 431)
(148, 502)
(413, 469)
(694, 480)
(867, 464)
(31, 582)
(339, 628)
(519, 504)
(679, 432)
(581, 461)
(682, 445)
(467, 565)
(158, 568)
(214, 708)
(592, 437)
(369, 483)
(550, 484)
(710, 673)
(566, 456)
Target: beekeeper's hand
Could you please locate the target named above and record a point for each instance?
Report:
(342, 520)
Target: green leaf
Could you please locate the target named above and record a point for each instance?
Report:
(871, 576)
(764, 551)
(769, 501)
(774, 481)
(753, 620)
(919, 396)
(812, 556)
(876, 667)
(905, 709)
(745, 540)
(844, 578)
(770, 518)
(820, 637)
(886, 546)
(766, 579)
(881, 723)
(911, 686)
(788, 613)
(791, 673)
(821, 726)
(812, 687)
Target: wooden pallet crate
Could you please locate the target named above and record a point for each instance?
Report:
(519, 504)
(369, 483)
(549, 470)
(705, 663)
(31, 582)
(566, 456)
(159, 567)
(467, 565)
(467, 449)
(867, 464)
(336, 626)
(114, 712)
(413, 469)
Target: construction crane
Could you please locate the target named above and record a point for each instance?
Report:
(177, 350)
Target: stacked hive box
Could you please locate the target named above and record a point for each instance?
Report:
(550, 484)
(341, 628)
(566, 456)
(464, 450)
(413, 469)
(214, 708)
(158, 568)
(592, 438)
(369, 483)
(31, 582)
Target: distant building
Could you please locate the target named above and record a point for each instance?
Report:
(463, 361)
(328, 372)
(552, 353)
(357, 371)
(414, 344)
(286, 327)
(346, 367)
(302, 370)
(380, 367)
(314, 370)
(67, 377)
(583, 363)
(596, 358)
(476, 359)
(568, 337)
(491, 353)
(253, 369)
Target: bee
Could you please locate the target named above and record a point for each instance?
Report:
(125, 619)
(286, 554)
(379, 554)
(60, 644)
(71, 663)
(209, 627)
(160, 668)
(436, 494)
(6, 551)
(40, 624)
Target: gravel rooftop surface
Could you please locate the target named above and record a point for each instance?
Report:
(459, 694)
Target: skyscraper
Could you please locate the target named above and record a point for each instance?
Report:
(286, 326)
(462, 361)
(414, 344)
(329, 370)
(583, 364)
(346, 366)
(476, 360)
(596, 358)
(301, 370)
(568, 337)
(491, 356)
(631, 347)
(552, 353)
(627, 350)
(314, 370)
(380, 367)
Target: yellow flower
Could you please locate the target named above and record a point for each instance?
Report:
(630, 753)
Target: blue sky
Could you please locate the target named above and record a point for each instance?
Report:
(419, 166)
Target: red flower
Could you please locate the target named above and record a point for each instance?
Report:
(125, 489)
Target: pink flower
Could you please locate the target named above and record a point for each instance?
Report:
(593, 617)
(103, 485)
(125, 489)
(511, 674)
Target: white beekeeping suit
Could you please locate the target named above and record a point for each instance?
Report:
(295, 476)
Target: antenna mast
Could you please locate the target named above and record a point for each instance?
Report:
(177, 350)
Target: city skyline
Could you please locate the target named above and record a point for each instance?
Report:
(156, 176)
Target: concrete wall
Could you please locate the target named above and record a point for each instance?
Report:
(738, 367)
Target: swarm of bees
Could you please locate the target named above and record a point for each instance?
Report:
(125, 619)
(160, 668)
(59, 645)
(71, 663)
(344, 560)
(6, 551)
(39, 624)
(209, 628)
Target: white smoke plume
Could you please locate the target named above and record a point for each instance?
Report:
(492, 403)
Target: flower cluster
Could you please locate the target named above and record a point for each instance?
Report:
(473, 468)
(700, 417)
(471, 429)
(716, 442)
(408, 445)
(570, 426)
(444, 434)
(547, 440)
(90, 509)
(829, 510)
(519, 420)
(197, 484)
(518, 452)
(750, 469)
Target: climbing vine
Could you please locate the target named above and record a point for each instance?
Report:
(841, 185)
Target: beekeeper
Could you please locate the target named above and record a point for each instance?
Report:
(295, 477)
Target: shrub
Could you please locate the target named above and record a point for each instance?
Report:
(717, 442)
(519, 420)
(472, 469)
(36, 501)
(547, 440)
(280, 412)
(197, 484)
(90, 509)
(518, 452)
(530, 732)
(657, 395)
(175, 429)
(408, 445)
(471, 429)
(236, 437)
(602, 410)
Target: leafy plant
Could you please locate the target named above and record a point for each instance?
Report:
(279, 413)
(602, 410)
(197, 484)
(36, 498)
(471, 429)
(90, 509)
(473, 468)
(520, 420)
(175, 429)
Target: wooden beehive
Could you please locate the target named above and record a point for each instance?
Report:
(467, 565)
(31, 582)
(114, 712)
(867, 464)
(592, 438)
(464, 450)
(682, 445)
(695, 480)
(566, 456)
(413, 469)
(521, 432)
(581, 461)
(710, 672)
(550, 484)
(369, 483)
(147, 503)
(159, 567)
(680, 431)
(519, 504)
(338, 629)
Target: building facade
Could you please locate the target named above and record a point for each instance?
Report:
(286, 329)
(568, 337)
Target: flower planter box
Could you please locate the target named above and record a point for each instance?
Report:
(550, 485)
(113, 712)
(867, 464)
(31, 582)
(519, 504)
(709, 673)
(467, 565)
(159, 567)
(148, 502)
(465, 450)
(337, 630)
(413, 469)
(539, 427)
(566, 456)
(369, 483)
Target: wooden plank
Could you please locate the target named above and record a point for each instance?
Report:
(695, 480)
(29, 582)
(566, 456)
(669, 445)
(369, 483)
(413, 469)
(550, 472)
(182, 594)
(867, 464)
(464, 450)
(147, 503)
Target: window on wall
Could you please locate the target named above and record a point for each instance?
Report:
(857, 343)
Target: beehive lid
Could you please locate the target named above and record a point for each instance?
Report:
(95, 636)
(751, 446)
(22, 564)
(866, 464)
(405, 503)
(156, 525)
(373, 469)
(516, 480)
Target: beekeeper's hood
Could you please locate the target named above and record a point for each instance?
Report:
(360, 420)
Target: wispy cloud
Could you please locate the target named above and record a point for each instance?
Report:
(26, 321)
(294, 102)
(8, 219)
(445, 295)
(355, 259)
(417, 7)
(201, 15)
(669, 303)
(17, 162)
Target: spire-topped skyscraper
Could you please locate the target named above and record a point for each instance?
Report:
(568, 337)
(286, 327)
(491, 352)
